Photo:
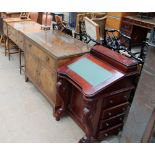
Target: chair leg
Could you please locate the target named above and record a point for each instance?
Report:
(20, 66)
(5, 44)
(8, 50)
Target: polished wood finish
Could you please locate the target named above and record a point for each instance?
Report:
(10, 14)
(46, 51)
(136, 28)
(99, 110)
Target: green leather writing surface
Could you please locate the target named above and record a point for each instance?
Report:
(91, 72)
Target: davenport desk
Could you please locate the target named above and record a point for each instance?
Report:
(96, 91)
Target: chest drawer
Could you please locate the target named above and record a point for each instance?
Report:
(12, 34)
(5, 28)
(111, 112)
(104, 124)
(21, 41)
(46, 59)
(110, 131)
(116, 99)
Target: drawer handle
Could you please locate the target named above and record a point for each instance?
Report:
(109, 113)
(120, 118)
(111, 101)
(47, 58)
(107, 124)
(30, 45)
(123, 109)
(125, 97)
(105, 134)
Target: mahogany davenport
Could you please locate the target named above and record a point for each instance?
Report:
(95, 90)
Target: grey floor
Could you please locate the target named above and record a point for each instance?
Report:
(25, 115)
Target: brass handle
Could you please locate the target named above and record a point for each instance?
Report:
(47, 58)
(107, 124)
(105, 134)
(109, 113)
(120, 118)
(111, 101)
(30, 45)
(125, 97)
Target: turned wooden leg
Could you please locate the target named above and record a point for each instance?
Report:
(62, 99)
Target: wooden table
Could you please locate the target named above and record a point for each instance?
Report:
(10, 14)
(44, 52)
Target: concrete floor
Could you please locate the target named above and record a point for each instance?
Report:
(25, 115)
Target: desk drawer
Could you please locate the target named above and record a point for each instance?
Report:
(116, 110)
(110, 131)
(41, 55)
(21, 41)
(5, 28)
(104, 124)
(116, 99)
(12, 34)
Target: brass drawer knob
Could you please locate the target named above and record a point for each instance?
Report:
(107, 124)
(105, 134)
(47, 58)
(111, 101)
(120, 118)
(109, 113)
(123, 109)
(125, 97)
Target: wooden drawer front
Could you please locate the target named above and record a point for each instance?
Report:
(110, 131)
(31, 67)
(12, 34)
(21, 41)
(113, 23)
(119, 109)
(5, 28)
(47, 82)
(43, 56)
(114, 100)
(104, 124)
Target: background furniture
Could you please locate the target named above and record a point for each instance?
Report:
(96, 91)
(137, 28)
(114, 19)
(45, 51)
(143, 104)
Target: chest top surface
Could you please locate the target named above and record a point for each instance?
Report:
(26, 26)
(58, 44)
(8, 20)
(91, 74)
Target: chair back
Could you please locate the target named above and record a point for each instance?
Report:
(92, 29)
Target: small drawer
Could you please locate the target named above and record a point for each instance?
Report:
(104, 124)
(4, 28)
(126, 26)
(111, 131)
(116, 110)
(116, 99)
(42, 55)
(21, 41)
